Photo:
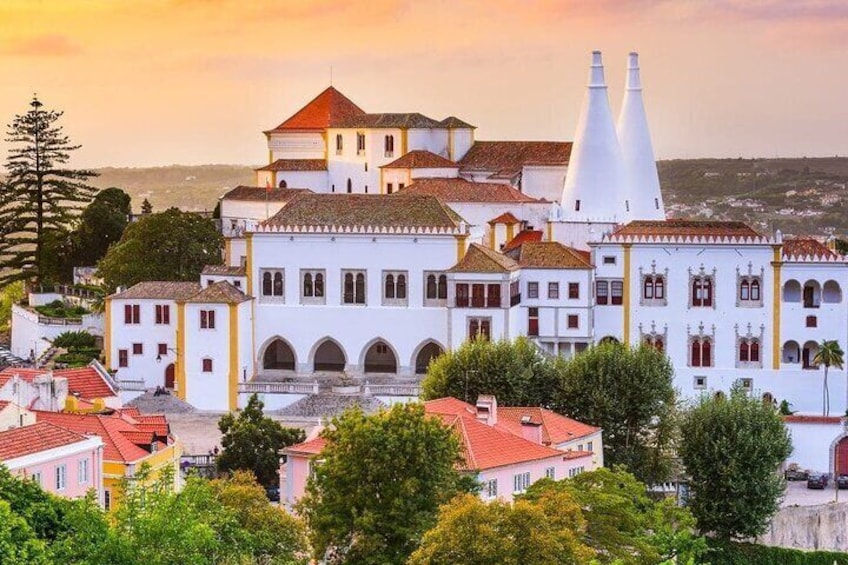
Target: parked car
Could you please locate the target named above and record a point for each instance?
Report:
(794, 473)
(817, 480)
(273, 494)
(842, 481)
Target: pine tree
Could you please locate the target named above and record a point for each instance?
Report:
(146, 207)
(40, 199)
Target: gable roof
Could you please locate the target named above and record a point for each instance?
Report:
(295, 165)
(455, 123)
(480, 259)
(505, 159)
(686, 228)
(309, 447)
(224, 270)
(505, 218)
(35, 438)
(365, 210)
(462, 190)
(83, 381)
(262, 193)
(221, 292)
(524, 236)
(404, 120)
(161, 290)
(549, 255)
(556, 428)
(325, 110)
(421, 159)
(807, 247)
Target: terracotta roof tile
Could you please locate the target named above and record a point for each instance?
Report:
(310, 447)
(505, 159)
(221, 292)
(505, 218)
(295, 165)
(160, 290)
(807, 247)
(421, 159)
(480, 259)
(253, 193)
(524, 236)
(366, 210)
(35, 438)
(116, 445)
(449, 405)
(397, 120)
(325, 110)
(3, 404)
(548, 255)
(804, 419)
(686, 228)
(157, 423)
(224, 270)
(84, 381)
(461, 190)
(556, 428)
(455, 123)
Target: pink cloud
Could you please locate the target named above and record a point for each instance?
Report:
(41, 46)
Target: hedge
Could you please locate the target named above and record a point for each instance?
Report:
(70, 340)
(752, 554)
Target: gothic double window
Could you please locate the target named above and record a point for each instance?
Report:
(703, 287)
(701, 352)
(749, 351)
(272, 284)
(394, 288)
(312, 287)
(353, 287)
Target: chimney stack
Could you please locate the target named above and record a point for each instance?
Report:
(640, 165)
(595, 183)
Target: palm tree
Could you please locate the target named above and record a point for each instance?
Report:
(829, 355)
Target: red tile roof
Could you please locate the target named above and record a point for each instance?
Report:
(224, 270)
(807, 247)
(549, 255)
(157, 423)
(261, 193)
(461, 190)
(403, 120)
(3, 404)
(505, 159)
(310, 447)
(686, 228)
(525, 236)
(35, 438)
(480, 259)
(454, 122)
(84, 381)
(328, 109)
(505, 218)
(556, 428)
(802, 419)
(221, 292)
(421, 159)
(449, 405)
(160, 290)
(295, 165)
(118, 434)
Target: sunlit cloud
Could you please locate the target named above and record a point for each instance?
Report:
(40, 46)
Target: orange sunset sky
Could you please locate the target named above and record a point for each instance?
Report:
(158, 82)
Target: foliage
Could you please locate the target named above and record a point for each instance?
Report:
(146, 207)
(78, 358)
(784, 408)
(40, 199)
(168, 246)
(18, 544)
(623, 525)
(379, 485)
(252, 442)
(514, 371)
(101, 225)
(58, 309)
(829, 355)
(74, 339)
(724, 553)
(11, 294)
(731, 448)
(629, 393)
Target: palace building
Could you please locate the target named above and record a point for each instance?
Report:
(371, 243)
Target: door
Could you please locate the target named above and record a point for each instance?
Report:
(169, 376)
(841, 458)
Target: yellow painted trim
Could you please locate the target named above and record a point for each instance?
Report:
(625, 300)
(550, 231)
(404, 141)
(228, 251)
(460, 246)
(326, 147)
(249, 264)
(274, 179)
(775, 339)
(382, 185)
(493, 234)
(179, 364)
(233, 380)
(270, 155)
(510, 232)
(107, 332)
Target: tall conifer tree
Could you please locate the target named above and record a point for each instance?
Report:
(40, 199)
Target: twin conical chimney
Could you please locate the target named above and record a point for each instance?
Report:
(644, 194)
(612, 175)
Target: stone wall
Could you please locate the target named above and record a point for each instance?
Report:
(810, 527)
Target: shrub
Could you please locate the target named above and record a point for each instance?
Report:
(752, 554)
(78, 339)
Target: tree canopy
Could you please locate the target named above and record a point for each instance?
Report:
(731, 448)
(252, 442)
(40, 198)
(379, 484)
(168, 246)
(101, 225)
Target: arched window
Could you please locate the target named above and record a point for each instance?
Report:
(653, 287)
(659, 287)
(390, 286)
(745, 290)
(267, 284)
(755, 290)
(283, 184)
(308, 288)
(360, 288)
(349, 186)
(278, 284)
(695, 354)
(648, 290)
(443, 287)
(702, 291)
(431, 287)
(654, 341)
(339, 144)
(401, 287)
(319, 285)
(348, 288)
(755, 352)
(744, 352)
(700, 354)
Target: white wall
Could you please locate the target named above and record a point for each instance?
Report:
(30, 335)
(811, 445)
(544, 182)
(207, 391)
(143, 367)
(463, 139)
(432, 140)
(301, 145)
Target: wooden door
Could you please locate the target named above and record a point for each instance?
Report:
(169, 376)
(841, 458)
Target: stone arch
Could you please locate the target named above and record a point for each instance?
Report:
(808, 353)
(277, 354)
(328, 355)
(791, 352)
(792, 291)
(839, 455)
(378, 356)
(831, 292)
(812, 294)
(424, 353)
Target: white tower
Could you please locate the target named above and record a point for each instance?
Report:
(643, 183)
(595, 184)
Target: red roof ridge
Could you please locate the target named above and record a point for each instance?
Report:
(325, 110)
(421, 159)
(505, 218)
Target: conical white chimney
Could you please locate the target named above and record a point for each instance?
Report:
(643, 183)
(595, 184)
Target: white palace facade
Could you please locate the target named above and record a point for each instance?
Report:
(373, 242)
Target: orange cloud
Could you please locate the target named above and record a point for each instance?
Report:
(41, 46)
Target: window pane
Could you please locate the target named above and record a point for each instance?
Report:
(389, 291)
(319, 285)
(360, 288)
(431, 286)
(401, 287)
(443, 287)
(307, 285)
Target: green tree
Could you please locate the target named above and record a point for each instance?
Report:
(731, 448)
(253, 441)
(379, 485)
(11, 294)
(829, 355)
(146, 207)
(629, 393)
(40, 198)
(168, 246)
(18, 543)
(101, 225)
(514, 371)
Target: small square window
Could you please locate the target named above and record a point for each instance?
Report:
(532, 290)
(138, 349)
(207, 365)
(700, 383)
(747, 384)
(123, 358)
(553, 290)
(573, 321)
(162, 349)
(609, 260)
(574, 290)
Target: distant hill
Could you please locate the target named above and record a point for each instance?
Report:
(797, 196)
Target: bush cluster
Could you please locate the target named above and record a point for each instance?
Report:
(81, 348)
(751, 554)
(58, 309)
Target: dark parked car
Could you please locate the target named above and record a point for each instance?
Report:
(273, 494)
(817, 480)
(842, 481)
(796, 474)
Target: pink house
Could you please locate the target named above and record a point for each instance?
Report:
(508, 449)
(63, 462)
